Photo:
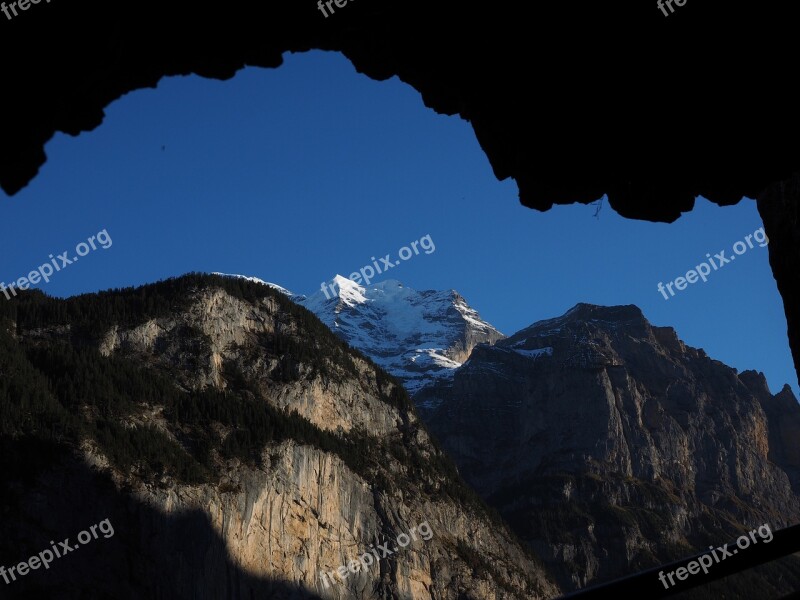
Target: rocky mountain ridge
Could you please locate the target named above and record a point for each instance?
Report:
(611, 446)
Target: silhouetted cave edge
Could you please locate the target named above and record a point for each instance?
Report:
(652, 111)
(573, 101)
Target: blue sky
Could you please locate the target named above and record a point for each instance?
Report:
(299, 173)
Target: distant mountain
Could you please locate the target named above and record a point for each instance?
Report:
(611, 446)
(419, 337)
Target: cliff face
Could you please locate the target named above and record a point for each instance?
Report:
(280, 455)
(219, 335)
(783, 421)
(610, 445)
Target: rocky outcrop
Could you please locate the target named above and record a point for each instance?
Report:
(610, 445)
(783, 420)
(219, 331)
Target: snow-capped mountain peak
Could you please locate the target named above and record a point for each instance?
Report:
(417, 336)
(347, 290)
